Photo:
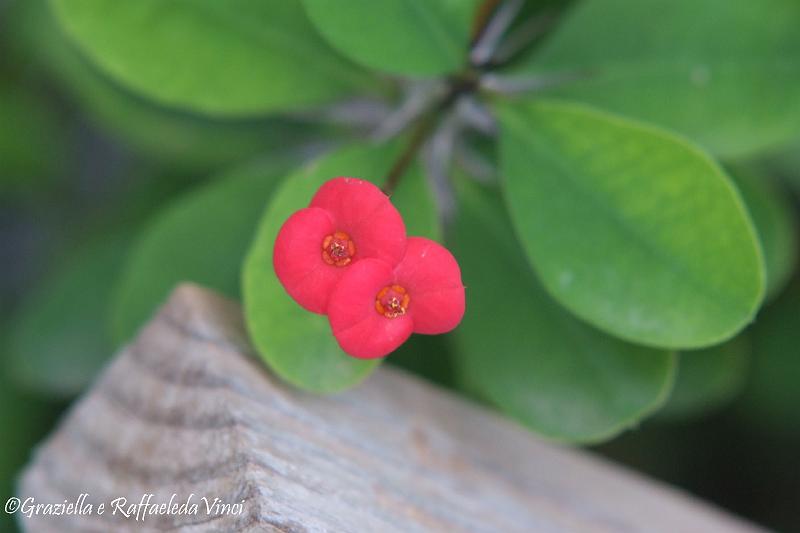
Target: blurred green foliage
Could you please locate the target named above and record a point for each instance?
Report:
(775, 221)
(27, 129)
(172, 137)
(24, 419)
(772, 396)
(71, 306)
(146, 143)
(199, 237)
(708, 379)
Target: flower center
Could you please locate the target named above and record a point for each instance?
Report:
(392, 301)
(338, 249)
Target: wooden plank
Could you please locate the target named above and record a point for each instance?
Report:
(186, 409)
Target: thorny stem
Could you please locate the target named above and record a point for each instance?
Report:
(419, 97)
(458, 86)
(523, 37)
(526, 84)
(492, 22)
(485, 47)
(484, 14)
(465, 83)
(422, 130)
(437, 155)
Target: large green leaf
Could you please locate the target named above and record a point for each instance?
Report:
(708, 379)
(632, 229)
(398, 36)
(296, 344)
(527, 355)
(234, 57)
(201, 237)
(58, 340)
(726, 73)
(775, 223)
(186, 140)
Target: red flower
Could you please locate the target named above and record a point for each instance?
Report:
(347, 221)
(375, 307)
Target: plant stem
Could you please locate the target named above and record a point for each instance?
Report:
(458, 86)
(485, 47)
(424, 127)
(484, 13)
(464, 83)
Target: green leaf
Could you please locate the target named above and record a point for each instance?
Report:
(235, 57)
(201, 237)
(632, 229)
(772, 393)
(398, 36)
(188, 141)
(775, 223)
(296, 344)
(58, 340)
(708, 379)
(725, 73)
(531, 358)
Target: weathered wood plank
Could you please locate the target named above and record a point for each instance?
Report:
(185, 409)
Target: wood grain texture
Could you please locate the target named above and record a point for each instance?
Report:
(186, 409)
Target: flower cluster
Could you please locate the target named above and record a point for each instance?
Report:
(347, 255)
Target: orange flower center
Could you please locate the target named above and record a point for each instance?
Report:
(338, 249)
(392, 301)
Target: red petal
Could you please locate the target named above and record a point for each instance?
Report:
(363, 211)
(432, 277)
(360, 330)
(297, 259)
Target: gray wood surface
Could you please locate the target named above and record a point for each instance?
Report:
(186, 409)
